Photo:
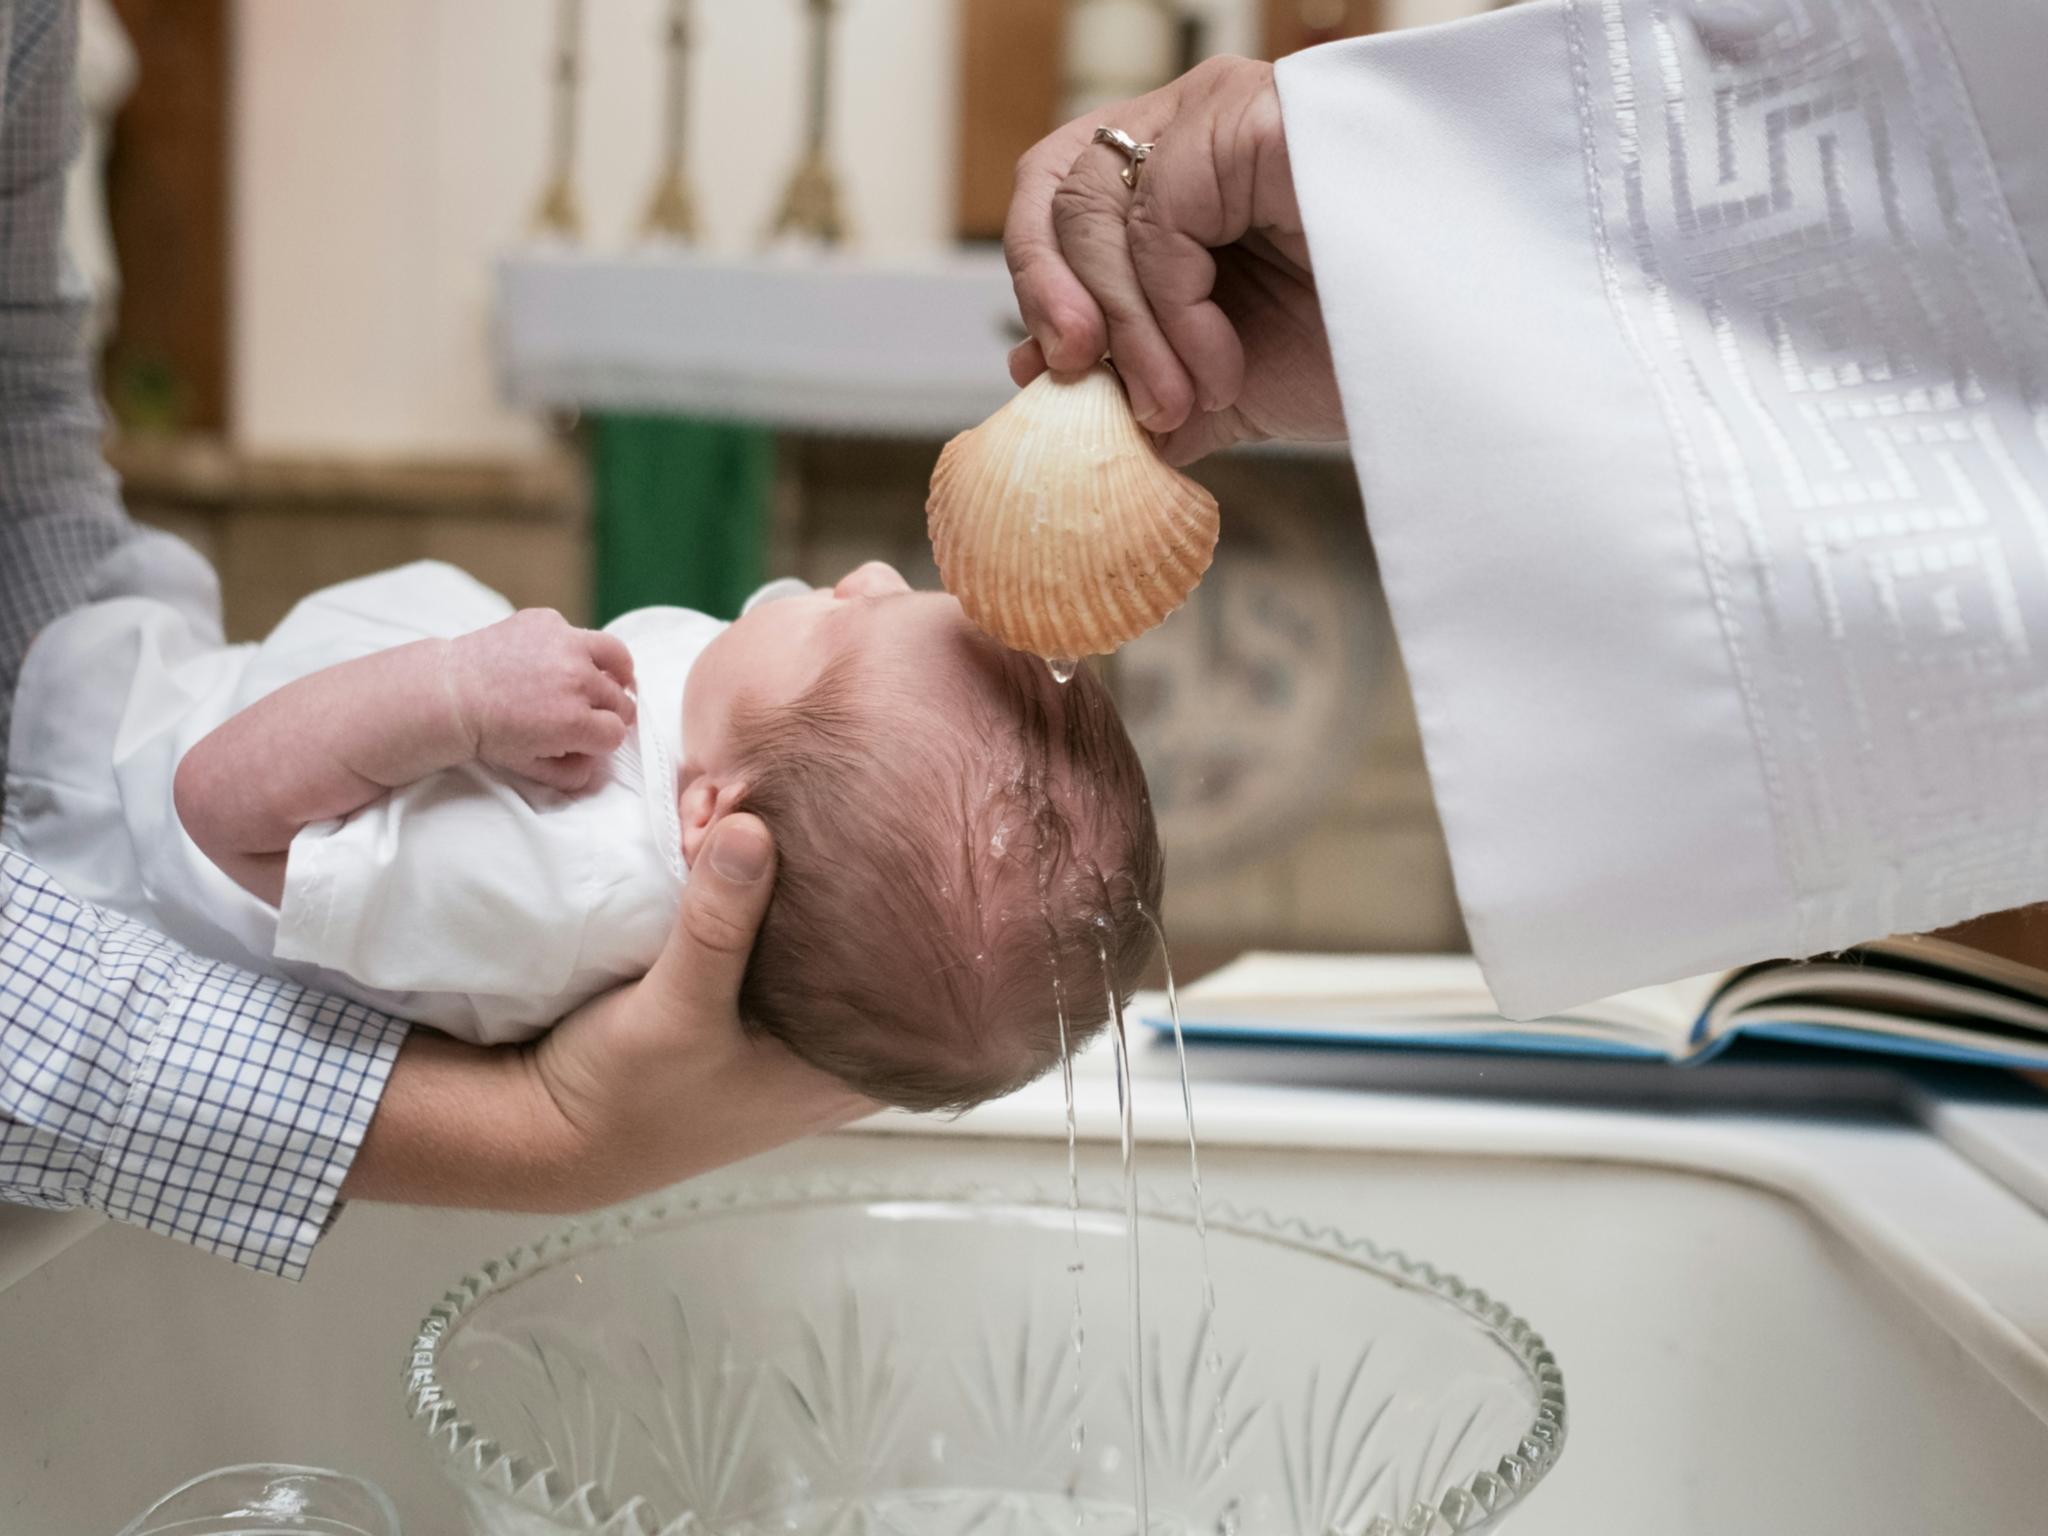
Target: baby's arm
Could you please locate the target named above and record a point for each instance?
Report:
(530, 695)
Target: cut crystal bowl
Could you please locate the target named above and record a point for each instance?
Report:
(875, 1359)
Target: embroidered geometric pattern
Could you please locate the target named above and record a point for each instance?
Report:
(1807, 250)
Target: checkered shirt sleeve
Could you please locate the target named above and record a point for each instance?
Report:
(60, 513)
(188, 1097)
(191, 1098)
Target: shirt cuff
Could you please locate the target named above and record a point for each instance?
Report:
(245, 1115)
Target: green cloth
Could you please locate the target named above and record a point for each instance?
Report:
(681, 513)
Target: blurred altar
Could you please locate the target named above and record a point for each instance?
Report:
(540, 288)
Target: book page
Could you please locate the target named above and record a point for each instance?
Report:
(1416, 996)
(1894, 987)
(1998, 970)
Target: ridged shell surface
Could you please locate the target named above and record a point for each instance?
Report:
(1058, 526)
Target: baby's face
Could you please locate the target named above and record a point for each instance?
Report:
(771, 655)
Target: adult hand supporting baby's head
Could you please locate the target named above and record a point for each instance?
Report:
(660, 1080)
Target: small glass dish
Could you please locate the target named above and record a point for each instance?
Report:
(897, 1358)
(269, 1499)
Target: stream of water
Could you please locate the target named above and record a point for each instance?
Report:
(1212, 1353)
(1125, 1086)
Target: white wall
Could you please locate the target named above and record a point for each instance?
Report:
(386, 150)
(1421, 13)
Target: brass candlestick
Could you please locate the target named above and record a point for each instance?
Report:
(672, 210)
(811, 203)
(558, 213)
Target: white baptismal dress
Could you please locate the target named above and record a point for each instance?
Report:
(483, 905)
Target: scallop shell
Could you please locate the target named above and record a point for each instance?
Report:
(1058, 526)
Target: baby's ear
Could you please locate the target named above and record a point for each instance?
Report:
(703, 801)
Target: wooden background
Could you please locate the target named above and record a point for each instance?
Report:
(167, 202)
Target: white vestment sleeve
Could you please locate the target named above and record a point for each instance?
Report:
(1693, 359)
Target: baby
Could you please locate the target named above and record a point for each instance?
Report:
(478, 819)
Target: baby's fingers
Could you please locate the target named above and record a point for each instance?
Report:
(604, 693)
(598, 731)
(612, 657)
(571, 773)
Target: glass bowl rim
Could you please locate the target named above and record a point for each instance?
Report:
(473, 1460)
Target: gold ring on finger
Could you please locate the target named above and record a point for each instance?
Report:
(1134, 153)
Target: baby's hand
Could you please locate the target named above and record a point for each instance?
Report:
(540, 698)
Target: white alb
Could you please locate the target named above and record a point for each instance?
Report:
(1695, 360)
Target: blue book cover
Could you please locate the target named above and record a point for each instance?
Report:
(1913, 997)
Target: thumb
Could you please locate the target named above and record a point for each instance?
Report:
(705, 960)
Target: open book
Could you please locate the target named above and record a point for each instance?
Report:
(1914, 997)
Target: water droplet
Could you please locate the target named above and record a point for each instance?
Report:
(1063, 668)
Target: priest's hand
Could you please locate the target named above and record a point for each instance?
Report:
(1196, 282)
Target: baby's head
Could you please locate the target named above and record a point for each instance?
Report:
(965, 847)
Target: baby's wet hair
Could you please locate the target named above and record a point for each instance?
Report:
(947, 886)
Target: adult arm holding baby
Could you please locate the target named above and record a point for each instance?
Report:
(230, 1109)
(1691, 360)
(630, 1091)
(644, 1085)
